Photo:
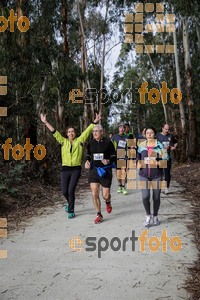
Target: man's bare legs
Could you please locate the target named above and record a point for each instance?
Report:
(107, 196)
(95, 187)
(121, 177)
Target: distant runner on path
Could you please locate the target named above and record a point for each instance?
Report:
(120, 143)
(71, 153)
(170, 143)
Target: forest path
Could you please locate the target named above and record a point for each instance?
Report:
(41, 264)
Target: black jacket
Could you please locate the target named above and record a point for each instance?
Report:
(98, 150)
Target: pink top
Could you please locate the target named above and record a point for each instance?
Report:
(150, 149)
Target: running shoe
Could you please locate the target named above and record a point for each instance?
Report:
(124, 191)
(156, 221)
(147, 222)
(98, 219)
(166, 191)
(71, 215)
(67, 207)
(108, 207)
(119, 189)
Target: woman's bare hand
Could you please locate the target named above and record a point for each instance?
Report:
(43, 118)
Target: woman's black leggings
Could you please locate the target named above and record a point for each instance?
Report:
(146, 196)
(69, 180)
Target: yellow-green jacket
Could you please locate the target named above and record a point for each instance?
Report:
(74, 158)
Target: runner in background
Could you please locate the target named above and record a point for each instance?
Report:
(142, 134)
(100, 157)
(130, 153)
(71, 153)
(141, 137)
(110, 135)
(120, 144)
(170, 143)
(128, 131)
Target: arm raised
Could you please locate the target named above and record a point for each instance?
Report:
(44, 120)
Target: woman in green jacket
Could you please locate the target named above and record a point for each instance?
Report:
(71, 153)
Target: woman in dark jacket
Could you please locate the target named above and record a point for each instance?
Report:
(151, 154)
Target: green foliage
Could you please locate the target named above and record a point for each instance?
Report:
(11, 177)
(135, 69)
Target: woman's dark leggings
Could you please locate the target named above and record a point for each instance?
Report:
(69, 180)
(146, 196)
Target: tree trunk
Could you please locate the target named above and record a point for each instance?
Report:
(20, 37)
(157, 79)
(59, 107)
(85, 68)
(59, 113)
(23, 42)
(41, 131)
(197, 31)
(64, 28)
(17, 118)
(85, 110)
(103, 60)
(81, 124)
(182, 141)
(192, 149)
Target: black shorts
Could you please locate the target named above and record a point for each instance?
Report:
(103, 181)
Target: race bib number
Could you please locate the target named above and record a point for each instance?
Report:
(122, 144)
(149, 160)
(98, 156)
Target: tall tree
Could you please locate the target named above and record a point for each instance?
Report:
(192, 150)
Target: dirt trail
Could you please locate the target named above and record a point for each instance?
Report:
(41, 265)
